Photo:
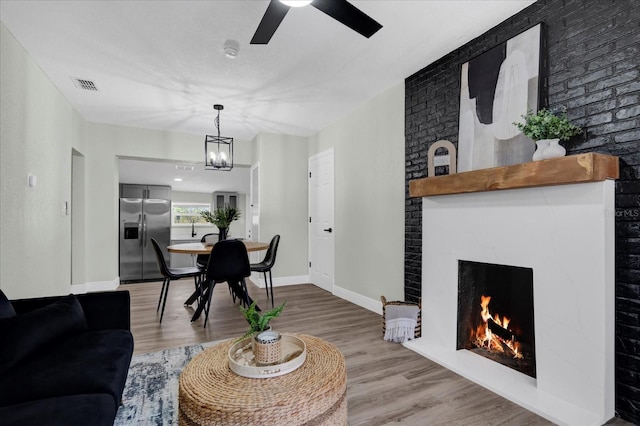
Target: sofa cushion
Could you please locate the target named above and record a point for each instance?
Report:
(24, 334)
(92, 361)
(94, 410)
(103, 310)
(6, 308)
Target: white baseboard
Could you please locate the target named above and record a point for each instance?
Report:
(94, 286)
(280, 281)
(358, 299)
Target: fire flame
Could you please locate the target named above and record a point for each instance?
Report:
(490, 341)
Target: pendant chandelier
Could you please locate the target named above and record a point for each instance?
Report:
(218, 150)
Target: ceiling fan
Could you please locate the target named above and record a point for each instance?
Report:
(340, 10)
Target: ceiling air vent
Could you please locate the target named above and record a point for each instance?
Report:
(85, 84)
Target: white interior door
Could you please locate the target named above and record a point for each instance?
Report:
(321, 232)
(254, 203)
(253, 231)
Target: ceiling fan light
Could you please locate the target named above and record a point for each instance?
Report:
(296, 3)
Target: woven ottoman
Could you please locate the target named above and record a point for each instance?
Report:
(314, 394)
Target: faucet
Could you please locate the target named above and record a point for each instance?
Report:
(193, 230)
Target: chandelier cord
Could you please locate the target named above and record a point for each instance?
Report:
(217, 123)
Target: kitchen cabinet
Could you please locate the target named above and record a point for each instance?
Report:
(221, 199)
(145, 191)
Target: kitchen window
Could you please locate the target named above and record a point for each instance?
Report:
(188, 213)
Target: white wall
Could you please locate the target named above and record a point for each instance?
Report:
(38, 130)
(369, 195)
(283, 200)
(191, 197)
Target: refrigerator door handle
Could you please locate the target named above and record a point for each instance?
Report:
(144, 229)
(140, 228)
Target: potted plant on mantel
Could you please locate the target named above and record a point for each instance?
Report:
(222, 218)
(266, 342)
(547, 129)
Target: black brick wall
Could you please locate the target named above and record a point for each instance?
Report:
(592, 62)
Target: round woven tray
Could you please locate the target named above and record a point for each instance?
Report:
(210, 393)
(291, 345)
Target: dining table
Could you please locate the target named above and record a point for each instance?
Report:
(205, 248)
(196, 248)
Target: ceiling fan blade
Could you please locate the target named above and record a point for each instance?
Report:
(272, 18)
(349, 15)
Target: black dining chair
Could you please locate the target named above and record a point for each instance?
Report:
(203, 259)
(266, 265)
(228, 262)
(173, 274)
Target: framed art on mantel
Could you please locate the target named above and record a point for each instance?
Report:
(497, 88)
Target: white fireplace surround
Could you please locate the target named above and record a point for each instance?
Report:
(566, 234)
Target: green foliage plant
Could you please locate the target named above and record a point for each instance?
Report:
(546, 124)
(258, 322)
(222, 216)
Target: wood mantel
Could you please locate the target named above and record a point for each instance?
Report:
(590, 167)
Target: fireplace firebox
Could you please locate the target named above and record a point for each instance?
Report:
(496, 314)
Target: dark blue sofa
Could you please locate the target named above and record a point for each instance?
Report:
(64, 360)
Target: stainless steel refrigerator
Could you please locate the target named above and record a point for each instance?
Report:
(140, 220)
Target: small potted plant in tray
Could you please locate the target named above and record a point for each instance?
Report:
(266, 342)
(547, 128)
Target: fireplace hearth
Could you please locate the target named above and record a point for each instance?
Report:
(495, 314)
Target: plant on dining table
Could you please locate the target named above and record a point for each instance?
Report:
(222, 216)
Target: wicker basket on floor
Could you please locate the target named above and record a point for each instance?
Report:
(385, 303)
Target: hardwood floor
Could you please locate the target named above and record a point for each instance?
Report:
(387, 383)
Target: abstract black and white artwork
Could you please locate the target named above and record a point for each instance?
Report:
(497, 88)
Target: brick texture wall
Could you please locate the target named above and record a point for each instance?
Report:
(592, 63)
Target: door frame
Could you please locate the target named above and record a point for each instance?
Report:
(78, 202)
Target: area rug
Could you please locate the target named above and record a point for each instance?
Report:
(151, 392)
